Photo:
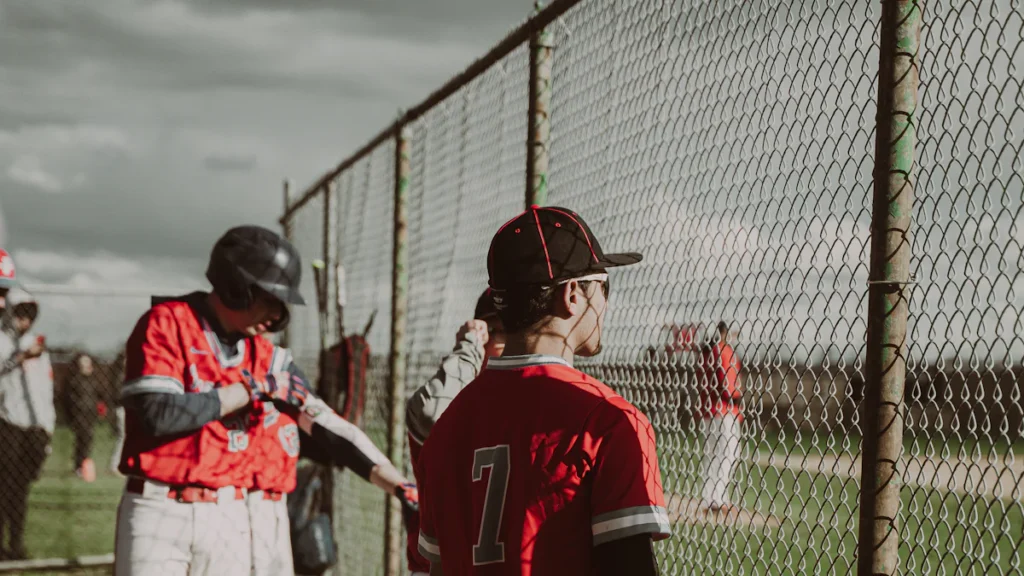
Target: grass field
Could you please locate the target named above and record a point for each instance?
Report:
(801, 514)
(811, 512)
(68, 517)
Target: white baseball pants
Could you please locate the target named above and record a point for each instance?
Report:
(159, 536)
(271, 536)
(721, 452)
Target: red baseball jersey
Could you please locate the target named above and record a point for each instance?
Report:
(531, 466)
(275, 449)
(172, 350)
(720, 393)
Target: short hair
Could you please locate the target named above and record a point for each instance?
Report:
(522, 307)
(722, 326)
(485, 306)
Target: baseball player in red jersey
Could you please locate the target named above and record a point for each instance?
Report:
(191, 402)
(720, 414)
(481, 338)
(215, 411)
(536, 468)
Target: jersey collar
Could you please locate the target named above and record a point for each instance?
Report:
(516, 362)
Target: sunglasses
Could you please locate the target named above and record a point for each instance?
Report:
(585, 281)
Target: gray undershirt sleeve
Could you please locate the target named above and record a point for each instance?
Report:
(173, 414)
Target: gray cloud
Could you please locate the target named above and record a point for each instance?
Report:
(224, 163)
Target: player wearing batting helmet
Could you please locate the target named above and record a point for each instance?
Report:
(214, 410)
(481, 338)
(535, 467)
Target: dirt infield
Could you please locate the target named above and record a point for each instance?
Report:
(691, 512)
(1001, 477)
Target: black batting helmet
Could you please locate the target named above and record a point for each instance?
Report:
(247, 256)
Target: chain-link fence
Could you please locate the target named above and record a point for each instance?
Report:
(62, 426)
(736, 145)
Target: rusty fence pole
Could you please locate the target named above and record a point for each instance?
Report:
(393, 541)
(889, 285)
(539, 126)
(288, 233)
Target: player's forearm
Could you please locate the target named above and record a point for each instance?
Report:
(386, 477)
(345, 442)
(233, 398)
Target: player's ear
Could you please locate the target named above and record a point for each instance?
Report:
(570, 298)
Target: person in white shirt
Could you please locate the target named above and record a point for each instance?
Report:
(27, 416)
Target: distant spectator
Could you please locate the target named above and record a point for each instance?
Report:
(81, 399)
(27, 416)
(118, 421)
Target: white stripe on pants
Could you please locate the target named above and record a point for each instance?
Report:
(271, 536)
(721, 452)
(158, 536)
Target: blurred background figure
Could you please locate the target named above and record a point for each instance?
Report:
(116, 379)
(27, 416)
(81, 401)
(721, 395)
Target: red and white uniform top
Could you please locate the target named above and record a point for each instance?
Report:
(275, 446)
(172, 350)
(531, 466)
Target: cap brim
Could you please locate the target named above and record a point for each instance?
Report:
(621, 259)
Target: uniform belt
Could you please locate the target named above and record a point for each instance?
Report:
(186, 494)
(272, 495)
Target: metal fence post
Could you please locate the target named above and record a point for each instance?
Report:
(287, 232)
(539, 126)
(889, 287)
(396, 365)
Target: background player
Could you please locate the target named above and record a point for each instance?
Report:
(481, 338)
(720, 416)
(190, 406)
(535, 467)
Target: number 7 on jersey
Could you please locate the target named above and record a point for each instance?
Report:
(488, 550)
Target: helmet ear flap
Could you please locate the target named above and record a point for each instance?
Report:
(229, 285)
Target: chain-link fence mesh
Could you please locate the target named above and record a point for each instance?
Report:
(307, 234)
(713, 140)
(733, 144)
(364, 248)
(61, 425)
(963, 469)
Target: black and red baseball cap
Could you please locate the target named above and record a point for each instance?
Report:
(547, 245)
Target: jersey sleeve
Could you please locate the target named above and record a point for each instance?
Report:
(427, 543)
(627, 497)
(154, 360)
(456, 371)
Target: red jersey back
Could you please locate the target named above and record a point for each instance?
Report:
(172, 350)
(275, 450)
(531, 466)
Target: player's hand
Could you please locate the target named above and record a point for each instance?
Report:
(478, 327)
(34, 351)
(409, 496)
(281, 386)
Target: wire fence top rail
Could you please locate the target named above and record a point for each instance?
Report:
(512, 41)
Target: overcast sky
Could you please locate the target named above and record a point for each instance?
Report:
(134, 132)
